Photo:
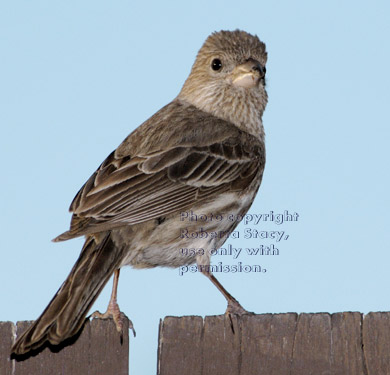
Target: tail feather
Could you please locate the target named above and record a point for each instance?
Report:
(66, 312)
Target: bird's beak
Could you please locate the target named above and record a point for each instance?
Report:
(248, 74)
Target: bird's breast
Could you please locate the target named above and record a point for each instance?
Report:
(184, 237)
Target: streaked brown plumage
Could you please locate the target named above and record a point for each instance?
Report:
(202, 152)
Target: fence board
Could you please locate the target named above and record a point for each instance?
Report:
(221, 348)
(376, 340)
(6, 340)
(180, 347)
(267, 343)
(347, 344)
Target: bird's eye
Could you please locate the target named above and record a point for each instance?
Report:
(216, 64)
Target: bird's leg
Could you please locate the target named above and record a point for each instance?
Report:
(233, 306)
(113, 310)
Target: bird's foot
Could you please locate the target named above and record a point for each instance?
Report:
(114, 312)
(234, 308)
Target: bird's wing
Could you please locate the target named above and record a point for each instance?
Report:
(161, 169)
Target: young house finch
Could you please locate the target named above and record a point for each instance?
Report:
(203, 152)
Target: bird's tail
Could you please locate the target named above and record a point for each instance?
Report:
(66, 312)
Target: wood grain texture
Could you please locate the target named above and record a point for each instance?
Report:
(312, 343)
(376, 340)
(221, 347)
(180, 345)
(267, 343)
(346, 343)
(7, 330)
(98, 349)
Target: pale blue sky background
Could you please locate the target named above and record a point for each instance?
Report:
(77, 76)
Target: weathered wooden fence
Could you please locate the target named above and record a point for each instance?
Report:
(272, 344)
(99, 350)
(281, 344)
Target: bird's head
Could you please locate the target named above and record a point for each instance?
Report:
(228, 78)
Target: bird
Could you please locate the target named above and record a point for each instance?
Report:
(203, 152)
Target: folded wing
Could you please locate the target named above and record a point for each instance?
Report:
(190, 167)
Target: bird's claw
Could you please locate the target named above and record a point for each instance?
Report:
(234, 308)
(114, 312)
